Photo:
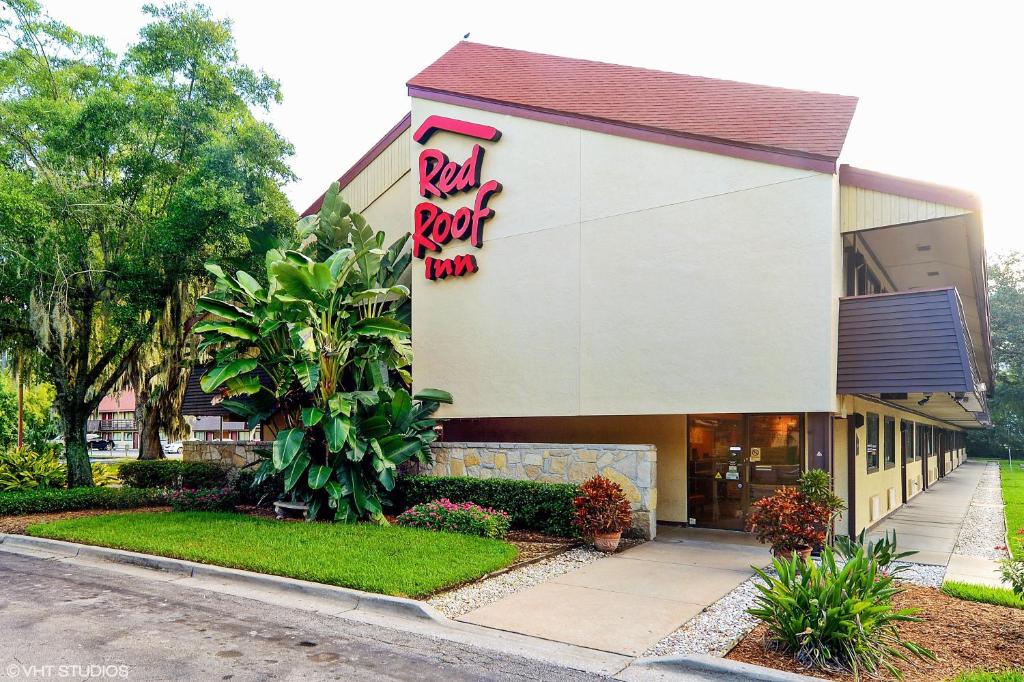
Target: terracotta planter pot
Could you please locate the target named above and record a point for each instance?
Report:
(804, 552)
(607, 542)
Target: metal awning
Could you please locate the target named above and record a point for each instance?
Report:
(914, 349)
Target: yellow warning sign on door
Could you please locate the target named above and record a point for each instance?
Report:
(718, 475)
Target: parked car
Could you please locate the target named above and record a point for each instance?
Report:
(98, 442)
(173, 448)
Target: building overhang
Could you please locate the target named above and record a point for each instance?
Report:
(912, 349)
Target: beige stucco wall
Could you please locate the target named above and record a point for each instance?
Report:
(666, 432)
(879, 482)
(625, 277)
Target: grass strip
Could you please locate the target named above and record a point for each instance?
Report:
(385, 559)
(1000, 596)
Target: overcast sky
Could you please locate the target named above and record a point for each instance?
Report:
(939, 83)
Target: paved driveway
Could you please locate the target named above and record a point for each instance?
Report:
(627, 602)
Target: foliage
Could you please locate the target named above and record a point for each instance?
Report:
(835, 618)
(601, 507)
(1012, 571)
(104, 474)
(58, 499)
(883, 551)
(120, 176)
(25, 469)
(264, 493)
(1007, 675)
(542, 507)
(202, 499)
(999, 596)
(170, 473)
(327, 330)
(386, 559)
(788, 521)
(40, 425)
(1012, 484)
(1006, 301)
(816, 486)
(463, 517)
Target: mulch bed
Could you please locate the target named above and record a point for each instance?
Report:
(17, 524)
(964, 635)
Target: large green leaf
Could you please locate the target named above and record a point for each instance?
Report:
(286, 447)
(318, 476)
(322, 279)
(308, 374)
(337, 261)
(293, 474)
(222, 309)
(434, 394)
(218, 375)
(311, 416)
(250, 284)
(239, 330)
(246, 384)
(340, 404)
(376, 426)
(336, 428)
(381, 326)
(401, 410)
(398, 448)
(295, 280)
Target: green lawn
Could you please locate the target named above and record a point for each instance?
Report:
(385, 559)
(1013, 497)
(999, 596)
(985, 676)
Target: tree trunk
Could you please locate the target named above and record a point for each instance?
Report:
(150, 446)
(76, 449)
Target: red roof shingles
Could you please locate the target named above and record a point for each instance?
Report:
(797, 122)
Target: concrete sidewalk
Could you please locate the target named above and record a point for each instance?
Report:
(626, 603)
(929, 523)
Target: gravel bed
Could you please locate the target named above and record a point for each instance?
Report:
(984, 526)
(462, 600)
(922, 575)
(715, 629)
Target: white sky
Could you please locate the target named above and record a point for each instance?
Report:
(939, 83)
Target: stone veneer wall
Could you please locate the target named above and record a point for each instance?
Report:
(230, 453)
(634, 467)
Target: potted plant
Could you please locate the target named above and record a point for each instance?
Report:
(816, 486)
(602, 512)
(789, 522)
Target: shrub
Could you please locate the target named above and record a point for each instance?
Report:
(463, 517)
(202, 499)
(883, 552)
(835, 618)
(1012, 571)
(601, 507)
(170, 473)
(26, 469)
(104, 474)
(58, 500)
(543, 507)
(260, 494)
(788, 521)
(816, 486)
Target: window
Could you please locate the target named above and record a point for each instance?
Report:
(924, 441)
(889, 443)
(909, 451)
(872, 442)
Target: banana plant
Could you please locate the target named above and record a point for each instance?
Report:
(322, 349)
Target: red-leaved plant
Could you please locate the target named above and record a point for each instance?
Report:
(788, 521)
(601, 507)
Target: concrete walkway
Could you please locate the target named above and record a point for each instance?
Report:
(627, 602)
(931, 523)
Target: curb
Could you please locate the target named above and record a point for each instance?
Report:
(706, 668)
(344, 597)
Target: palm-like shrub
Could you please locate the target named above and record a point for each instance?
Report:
(835, 618)
(26, 469)
(329, 330)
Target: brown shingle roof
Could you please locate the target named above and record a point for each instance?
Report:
(794, 121)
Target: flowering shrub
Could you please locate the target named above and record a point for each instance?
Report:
(463, 517)
(601, 507)
(202, 499)
(789, 521)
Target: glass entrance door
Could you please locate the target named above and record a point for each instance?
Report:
(717, 472)
(736, 459)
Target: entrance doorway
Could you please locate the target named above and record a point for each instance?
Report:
(735, 460)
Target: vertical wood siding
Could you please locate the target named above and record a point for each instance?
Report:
(863, 209)
(381, 173)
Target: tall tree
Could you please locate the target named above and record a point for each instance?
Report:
(1006, 298)
(119, 177)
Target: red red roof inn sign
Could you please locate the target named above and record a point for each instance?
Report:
(440, 178)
